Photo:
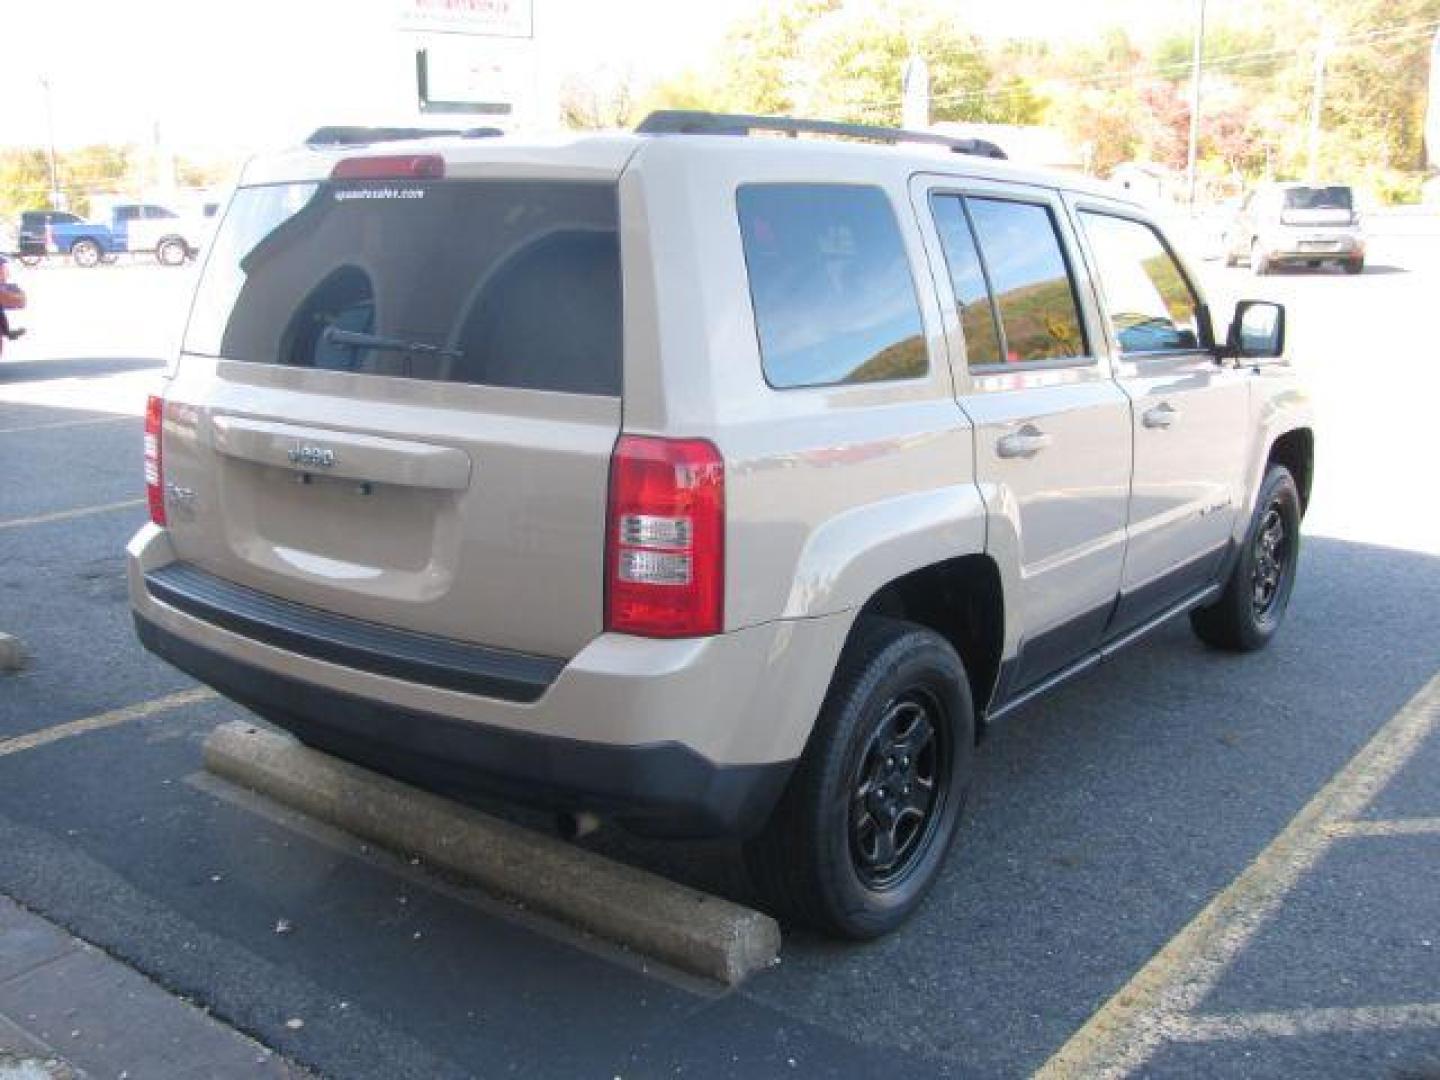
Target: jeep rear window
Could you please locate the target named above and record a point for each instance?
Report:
(830, 284)
(493, 282)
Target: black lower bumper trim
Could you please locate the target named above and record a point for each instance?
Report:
(663, 788)
(384, 650)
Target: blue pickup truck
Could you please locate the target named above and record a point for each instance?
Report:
(130, 227)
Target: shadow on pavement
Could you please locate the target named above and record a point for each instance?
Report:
(73, 368)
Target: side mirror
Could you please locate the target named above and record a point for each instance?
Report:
(1257, 331)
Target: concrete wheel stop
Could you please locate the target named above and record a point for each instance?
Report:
(689, 930)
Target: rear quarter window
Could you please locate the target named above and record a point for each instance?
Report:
(830, 284)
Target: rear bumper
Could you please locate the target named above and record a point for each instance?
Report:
(1293, 249)
(686, 737)
(660, 789)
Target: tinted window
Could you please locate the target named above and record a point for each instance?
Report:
(830, 283)
(1151, 306)
(1318, 198)
(1038, 313)
(967, 280)
(504, 283)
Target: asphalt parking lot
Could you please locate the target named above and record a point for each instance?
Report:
(1184, 864)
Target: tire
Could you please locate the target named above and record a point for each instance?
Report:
(1259, 265)
(30, 259)
(86, 252)
(1355, 266)
(1257, 593)
(1231, 261)
(172, 251)
(823, 859)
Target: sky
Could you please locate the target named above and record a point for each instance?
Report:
(254, 73)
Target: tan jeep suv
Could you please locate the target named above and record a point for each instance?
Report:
(703, 481)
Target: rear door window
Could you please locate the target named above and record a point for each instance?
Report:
(493, 282)
(1152, 307)
(1034, 292)
(975, 307)
(830, 283)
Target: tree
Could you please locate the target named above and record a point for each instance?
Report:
(859, 55)
(762, 57)
(24, 182)
(601, 98)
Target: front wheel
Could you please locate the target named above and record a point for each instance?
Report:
(1257, 593)
(861, 832)
(1355, 266)
(30, 258)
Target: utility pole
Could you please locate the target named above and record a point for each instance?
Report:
(1197, 58)
(55, 198)
(915, 93)
(1317, 102)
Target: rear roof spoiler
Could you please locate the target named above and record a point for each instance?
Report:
(685, 122)
(344, 135)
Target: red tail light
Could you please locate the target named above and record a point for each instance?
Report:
(665, 538)
(154, 470)
(390, 167)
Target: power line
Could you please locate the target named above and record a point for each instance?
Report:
(1396, 34)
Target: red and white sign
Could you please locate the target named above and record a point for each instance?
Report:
(482, 18)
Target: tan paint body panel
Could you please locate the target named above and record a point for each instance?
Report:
(489, 530)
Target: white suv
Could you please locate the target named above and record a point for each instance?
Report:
(704, 482)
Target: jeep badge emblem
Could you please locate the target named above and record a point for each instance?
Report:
(313, 456)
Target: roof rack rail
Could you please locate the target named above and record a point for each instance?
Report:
(686, 122)
(345, 135)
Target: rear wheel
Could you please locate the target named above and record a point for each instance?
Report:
(172, 251)
(85, 253)
(863, 828)
(1355, 266)
(1257, 592)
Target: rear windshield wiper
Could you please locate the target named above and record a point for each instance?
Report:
(353, 339)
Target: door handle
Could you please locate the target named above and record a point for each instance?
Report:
(1025, 443)
(1161, 416)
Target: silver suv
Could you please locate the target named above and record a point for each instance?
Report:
(1297, 225)
(704, 482)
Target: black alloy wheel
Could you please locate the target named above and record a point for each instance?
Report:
(899, 790)
(1257, 593)
(862, 830)
(1269, 562)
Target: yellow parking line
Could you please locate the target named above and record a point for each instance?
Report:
(1421, 826)
(110, 719)
(1293, 1023)
(1125, 1031)
(65, 515)
(66, 424)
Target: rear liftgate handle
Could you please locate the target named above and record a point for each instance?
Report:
(1025, 443)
